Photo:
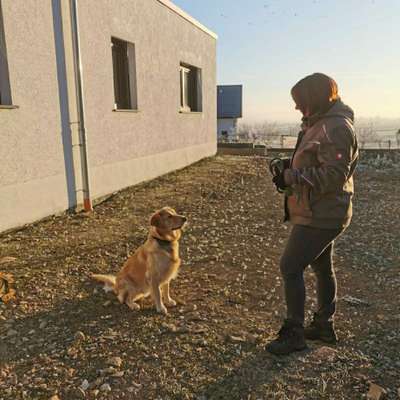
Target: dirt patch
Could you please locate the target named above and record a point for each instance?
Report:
(64, 336)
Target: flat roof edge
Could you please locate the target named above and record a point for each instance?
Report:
(188, 17)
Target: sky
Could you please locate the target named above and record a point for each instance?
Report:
(268, 45)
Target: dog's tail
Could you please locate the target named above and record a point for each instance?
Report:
(108, 280)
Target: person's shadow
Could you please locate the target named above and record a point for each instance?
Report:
(256, 373)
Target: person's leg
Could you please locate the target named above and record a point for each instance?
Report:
(305, 244)
(326, 284)
(322, 326)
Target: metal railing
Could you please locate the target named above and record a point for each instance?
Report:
(289, 141)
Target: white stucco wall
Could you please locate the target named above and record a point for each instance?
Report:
(118, 140)
(124, 148)
(32, 171)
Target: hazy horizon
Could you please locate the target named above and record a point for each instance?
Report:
(375, 121)
(269, 45)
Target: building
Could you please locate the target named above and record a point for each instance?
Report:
(96, 97)
(229, 109)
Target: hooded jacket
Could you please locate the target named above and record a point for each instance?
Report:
(321, 171)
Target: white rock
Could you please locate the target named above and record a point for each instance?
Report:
(85, 385)
(105, 387)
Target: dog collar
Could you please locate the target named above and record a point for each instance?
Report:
(164, 244)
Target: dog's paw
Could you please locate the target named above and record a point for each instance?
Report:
(171, 303)
(133, 306)
(162, 310)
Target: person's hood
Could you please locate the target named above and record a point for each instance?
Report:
(339, 109)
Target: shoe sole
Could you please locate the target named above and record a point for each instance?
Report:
(322, 339)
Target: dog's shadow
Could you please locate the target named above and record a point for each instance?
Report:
(56, 329)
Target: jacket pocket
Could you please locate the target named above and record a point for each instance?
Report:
(299, 203)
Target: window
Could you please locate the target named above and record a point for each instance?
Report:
(190, 83)
(124, 70)
(5, 91)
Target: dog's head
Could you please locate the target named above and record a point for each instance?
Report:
(167, 220)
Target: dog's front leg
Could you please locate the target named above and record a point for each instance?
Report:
(156, 294)
(167, 298)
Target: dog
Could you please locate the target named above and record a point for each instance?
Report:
(153, 265)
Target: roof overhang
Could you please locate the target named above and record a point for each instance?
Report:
(186, 16)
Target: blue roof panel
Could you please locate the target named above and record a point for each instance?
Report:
(229, 98)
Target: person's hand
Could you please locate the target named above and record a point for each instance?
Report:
(279, 181)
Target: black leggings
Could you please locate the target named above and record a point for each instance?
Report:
(309, 246)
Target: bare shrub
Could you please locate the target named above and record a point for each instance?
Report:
(366, 134)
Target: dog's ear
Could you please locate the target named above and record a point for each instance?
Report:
(155, 220)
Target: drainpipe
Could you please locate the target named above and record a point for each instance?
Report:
(84, 165)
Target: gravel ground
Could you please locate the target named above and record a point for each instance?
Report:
(64, 338)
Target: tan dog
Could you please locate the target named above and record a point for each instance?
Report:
(150, 269)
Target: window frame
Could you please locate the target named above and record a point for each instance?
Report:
(124, 75)
(190, 78)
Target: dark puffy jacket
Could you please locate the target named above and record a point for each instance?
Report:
(321, 171)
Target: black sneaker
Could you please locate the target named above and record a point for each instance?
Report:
(321, 330)
(290, 338)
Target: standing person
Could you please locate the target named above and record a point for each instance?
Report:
(320, 174)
